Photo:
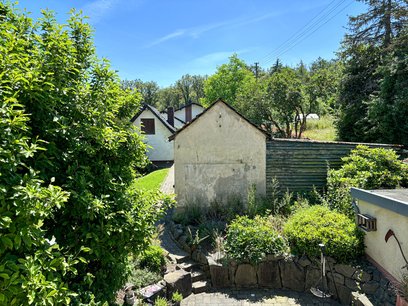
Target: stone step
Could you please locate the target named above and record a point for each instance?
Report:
(188, 265)
(200, 286)
(179, 258)
(198, 275)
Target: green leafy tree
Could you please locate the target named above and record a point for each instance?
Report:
(227, 81)
(323, 85)
(191, 88)
(388, 111)
(148, 90)
(382, 22)
(89, 152)
(366, 53)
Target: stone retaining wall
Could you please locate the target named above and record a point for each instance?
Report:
(294, 273)
(300, 274)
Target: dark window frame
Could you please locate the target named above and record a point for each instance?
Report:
(148, 126)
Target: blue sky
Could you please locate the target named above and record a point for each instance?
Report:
(161, 40)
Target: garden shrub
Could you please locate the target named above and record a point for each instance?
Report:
(318, 224)
(68, 156)
(153, 258)
(252, 239)
(367, 168)
(143, 277)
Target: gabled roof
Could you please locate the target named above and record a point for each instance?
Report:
(214, 103)
(185, 105)
(155, 112)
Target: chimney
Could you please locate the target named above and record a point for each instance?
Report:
(189, 113)
(170, 115)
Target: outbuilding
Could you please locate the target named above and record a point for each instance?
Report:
(218, 156)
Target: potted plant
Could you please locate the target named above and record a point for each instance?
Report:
(402, 294)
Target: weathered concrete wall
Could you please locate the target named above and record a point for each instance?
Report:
(218, 156)
(386, 254)
(161, 149)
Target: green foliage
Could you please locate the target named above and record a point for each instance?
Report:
(152, 181)
(252, 239)
(373, 94)
(177, 297)
(367, 168)
(318, 224)
(67, 168)
(153, 258)
(370, 168)
(227, 81)
(192, 214)
(252, 202)
(160, 301)
(389, 108)
(194, 240)
(143, 277)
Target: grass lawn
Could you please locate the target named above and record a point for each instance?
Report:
(153, 180)
(322, 129)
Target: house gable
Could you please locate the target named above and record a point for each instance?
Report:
(218, 156)
(160, 149)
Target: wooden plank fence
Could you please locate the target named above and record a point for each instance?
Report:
(301, 164)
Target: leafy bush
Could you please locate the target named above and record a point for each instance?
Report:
(252, 239)
(153, 258)
(67, 168)
(368, 168)
(318, 224)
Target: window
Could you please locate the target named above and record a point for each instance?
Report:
(148, 126)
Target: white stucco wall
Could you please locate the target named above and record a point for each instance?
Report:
(218, 157)
(195, 110)
(160, 147)
(386, 254)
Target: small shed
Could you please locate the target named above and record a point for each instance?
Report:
(218, 156)
(383, 214)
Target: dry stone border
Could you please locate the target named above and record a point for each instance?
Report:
(301, 273)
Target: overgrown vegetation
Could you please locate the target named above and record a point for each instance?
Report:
(252, 239)
(67, 159)
(318, 224)
(321, 129)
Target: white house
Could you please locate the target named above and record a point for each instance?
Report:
(157, 131)
(158, 127)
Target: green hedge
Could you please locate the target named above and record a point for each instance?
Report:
(318, 224)
(252, 239)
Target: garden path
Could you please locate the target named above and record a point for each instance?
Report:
(255, 297)
(168, 184)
